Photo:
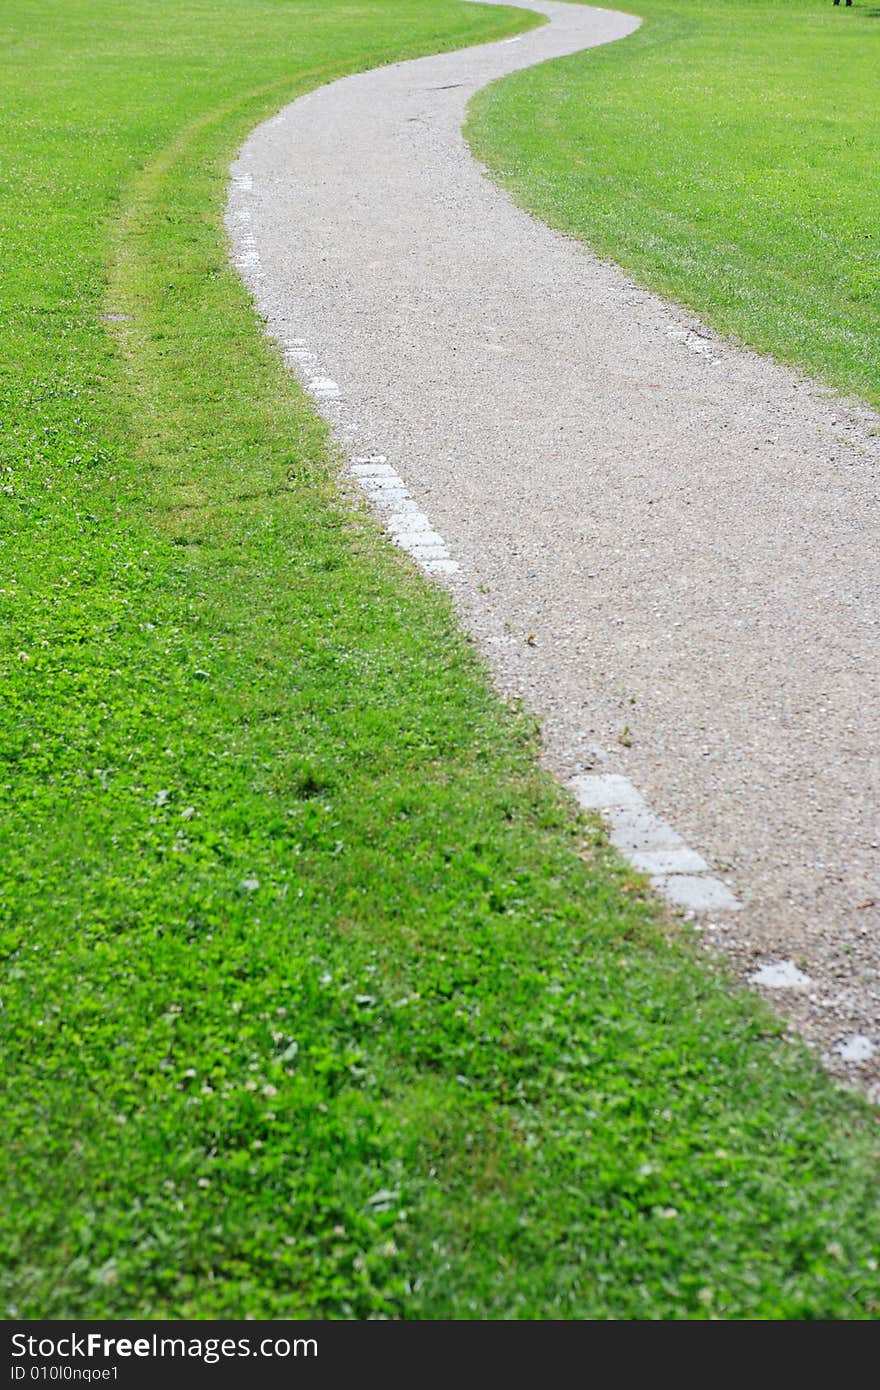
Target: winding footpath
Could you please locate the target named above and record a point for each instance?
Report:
(661, 543)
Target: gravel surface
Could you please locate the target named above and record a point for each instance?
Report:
(664, 541)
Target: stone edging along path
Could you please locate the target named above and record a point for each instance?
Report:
(658, 540)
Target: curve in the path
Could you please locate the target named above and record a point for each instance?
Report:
(659, 540)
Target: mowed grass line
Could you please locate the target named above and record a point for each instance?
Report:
(317, 998)
(726, 155)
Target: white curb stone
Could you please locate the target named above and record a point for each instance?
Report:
(698, 893)
(780, 974)
(636, 831)
(651, 845)
(607, 791)
(858, 1048)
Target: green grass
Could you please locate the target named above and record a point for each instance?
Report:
(726, 155)
(316, 996)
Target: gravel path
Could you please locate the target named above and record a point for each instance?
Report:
(661, 542)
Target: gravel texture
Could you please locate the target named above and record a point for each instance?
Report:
(664, 541)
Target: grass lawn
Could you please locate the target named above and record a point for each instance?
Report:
(316, 996)
(726, 155)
